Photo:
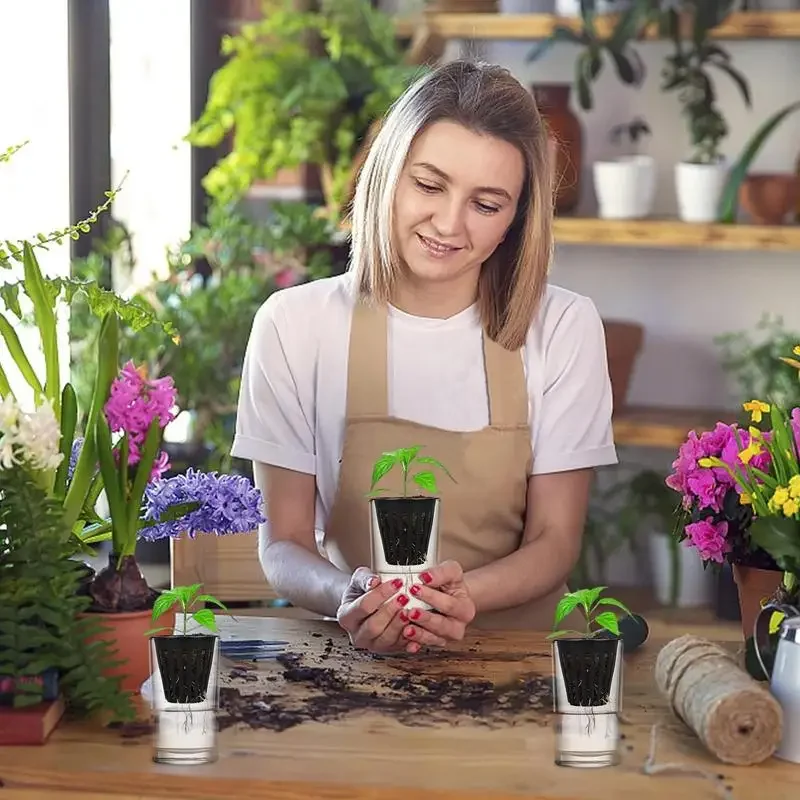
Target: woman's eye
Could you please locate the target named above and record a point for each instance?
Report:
(487, 209)
(426, 187)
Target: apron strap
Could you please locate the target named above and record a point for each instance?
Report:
(507, 387)
(367, 372)
(367, 376)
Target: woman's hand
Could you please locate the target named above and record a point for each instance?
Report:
(443, 588)
(373, 623)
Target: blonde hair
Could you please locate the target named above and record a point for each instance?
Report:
(489, 100)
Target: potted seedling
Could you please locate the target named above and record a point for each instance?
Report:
(404, 529)
(184, 664)
(587, 668)
(626, 186)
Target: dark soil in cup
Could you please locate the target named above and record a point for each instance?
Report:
(588, 669)
(321, 694)
(184, 663)
(405, 525)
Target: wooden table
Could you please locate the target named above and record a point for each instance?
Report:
(372, 755)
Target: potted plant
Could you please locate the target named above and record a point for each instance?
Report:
(301, 87)
(185, 662)
(587, 670)
(700, 179)
(45, 657)
(626, 186)
(404, 529)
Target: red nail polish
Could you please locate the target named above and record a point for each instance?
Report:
(426, 577)
(414, 590)
(397, 583)
(402, 599)
(415, 614)
(403, 616)
(410, 633)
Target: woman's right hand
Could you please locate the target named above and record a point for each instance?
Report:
(371, 622)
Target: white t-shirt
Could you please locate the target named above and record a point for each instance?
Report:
(291, 409)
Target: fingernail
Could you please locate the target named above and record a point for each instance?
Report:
(402, 599)
(426, 577)
(397, 583)
(409, 632)
(373, 582)
(414, 590)
(403, 616)
(415, 614)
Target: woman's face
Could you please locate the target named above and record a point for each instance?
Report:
(456, 198)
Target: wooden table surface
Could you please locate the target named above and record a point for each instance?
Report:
(398, 748)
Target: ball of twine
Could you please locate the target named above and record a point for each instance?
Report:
(734, 716)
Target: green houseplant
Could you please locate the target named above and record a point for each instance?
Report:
(404, 529)
(688, 70)
(587, 677)
(46, 638)
(301, 87)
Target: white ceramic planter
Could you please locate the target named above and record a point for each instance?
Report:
(625, 188)
(695, 585)
(572, 8)
(699, 188)
(526, 6)
(587, 728)
(386, 522)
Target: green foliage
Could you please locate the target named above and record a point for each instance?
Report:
(406, 458)
(634, 130)
(753, 359)
(185, 598)
(286, 107)
(589, 602)
(687, 71)
(617, 45)
(40, 604)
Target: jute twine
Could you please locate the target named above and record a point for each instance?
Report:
(734, 716)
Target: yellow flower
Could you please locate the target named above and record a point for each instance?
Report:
(753, 449)
(794, 486)
(745, 499)
(775, 620)
(790, 508)
(780, 497)
(705, 462)
(756, 409)
(796, 349)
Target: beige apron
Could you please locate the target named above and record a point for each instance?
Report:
(482, 515)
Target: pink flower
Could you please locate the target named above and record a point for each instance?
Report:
(710, 539)
(134, 402)
(795, 424)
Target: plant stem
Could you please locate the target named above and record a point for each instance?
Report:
(405, 480)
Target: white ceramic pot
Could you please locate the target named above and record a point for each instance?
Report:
(695, 584)
(572, 8)
(699, 188)
(526, 6)
(625, 188)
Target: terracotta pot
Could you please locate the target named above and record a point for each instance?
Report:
(754, 587)
(566, 142)
(623, 342)
(125, 633)
(768, 198)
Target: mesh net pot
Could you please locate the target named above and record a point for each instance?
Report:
(587, 692)
(404, 539)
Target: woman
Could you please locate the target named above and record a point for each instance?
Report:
(443, 333)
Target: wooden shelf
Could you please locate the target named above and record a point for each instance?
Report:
(664, 427)
(739, 25)
(672, 233)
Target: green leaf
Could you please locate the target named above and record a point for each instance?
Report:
(780, 537)
(206, 618)
(608, 620)
(556, 634)
(164, 602)
(738, 79)
(426, 481)
(382, 466)
(14, 347)
(610, 601)
(207, 598)
(435, 463)
(407, 455)
(108, 469)
(69, 421)
(148, 455)
(730, 194)
(589, 597)
(566, 605)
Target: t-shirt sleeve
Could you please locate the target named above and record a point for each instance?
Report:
(275, 414)
(574, 428)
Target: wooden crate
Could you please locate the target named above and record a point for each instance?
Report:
(227, 566)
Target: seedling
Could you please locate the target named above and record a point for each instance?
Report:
(186, 597)
(406, 458)
(588, 601)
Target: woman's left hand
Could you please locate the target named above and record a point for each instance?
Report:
(443, 588)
